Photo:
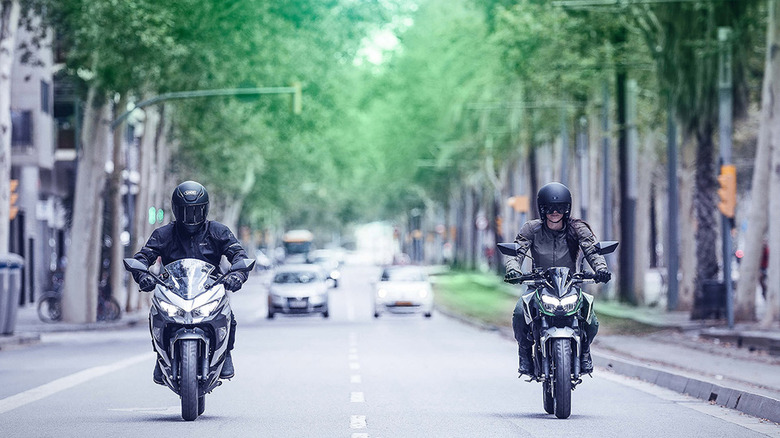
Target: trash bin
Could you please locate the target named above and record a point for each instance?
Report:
(711, 304)
(10, 288)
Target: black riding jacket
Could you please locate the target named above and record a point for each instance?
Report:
(550, 248)
(209, 243)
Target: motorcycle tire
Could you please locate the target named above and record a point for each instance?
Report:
(49, 309)
(561, 356)
(547, 397)
(188, 386)
(201, 404)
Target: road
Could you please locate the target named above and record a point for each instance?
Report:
(347, 376)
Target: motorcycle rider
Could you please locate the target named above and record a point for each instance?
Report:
(191, 235)
(554, 240)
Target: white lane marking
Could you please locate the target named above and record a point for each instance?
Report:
(67, 382)
(352, 350)
(355, 378)
(359, 435)
(357, 421)
(353, 339)
(353, 357)
(357, 397)
(354, 366)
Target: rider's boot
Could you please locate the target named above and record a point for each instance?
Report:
(227, 368)
(158, 375)
(586, 363)
(526, 361)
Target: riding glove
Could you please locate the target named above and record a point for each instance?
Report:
(602, 276)
(146, 282)
(512, 269)
(233, 282)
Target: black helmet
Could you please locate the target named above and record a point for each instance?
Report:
(554, 196)
(190, 202)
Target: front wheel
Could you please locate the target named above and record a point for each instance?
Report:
(201, 404)
(188, 386)
(561, 356)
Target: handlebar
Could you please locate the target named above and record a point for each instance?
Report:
(579, 277)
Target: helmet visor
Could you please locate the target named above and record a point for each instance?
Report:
(191, 214)
(562, 208)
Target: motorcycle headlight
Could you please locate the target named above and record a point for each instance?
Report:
(206, 309)
(171, 309)
(550, 303)
(569, 302)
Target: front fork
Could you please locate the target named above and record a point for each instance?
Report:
(543, 336)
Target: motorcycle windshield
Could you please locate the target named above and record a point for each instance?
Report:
(559, 280)
(188, 278)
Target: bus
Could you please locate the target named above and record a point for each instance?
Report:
(297, 244)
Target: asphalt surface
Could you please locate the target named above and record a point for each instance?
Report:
(346, 376)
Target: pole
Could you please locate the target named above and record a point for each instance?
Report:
(294, 90)
(673, 245)
(582, 155)
(725, 122)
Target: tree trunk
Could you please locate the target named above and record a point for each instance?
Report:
(771, 108)
(707, 225)
(79, 301)
(687, 238)
(9, 22)
(117, 287)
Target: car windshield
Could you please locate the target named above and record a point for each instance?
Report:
(404, 275)
(295, 277)
(187, 278)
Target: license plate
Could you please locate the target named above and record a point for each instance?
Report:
(403, 303)
(297, 303)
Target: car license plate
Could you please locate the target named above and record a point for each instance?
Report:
(403, 303)
(297, 304)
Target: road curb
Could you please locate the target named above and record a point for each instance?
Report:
(744, 401)
(18, 339)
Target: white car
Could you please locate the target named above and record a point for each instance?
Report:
(299, 289)
(403, 289)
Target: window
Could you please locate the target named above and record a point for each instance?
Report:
(21, 128)
(45, 99)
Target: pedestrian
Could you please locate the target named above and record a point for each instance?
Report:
(191, 235)
(555, 240)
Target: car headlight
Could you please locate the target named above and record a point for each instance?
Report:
(423, 293)
(171, 309)
(335, 275)
(381, 293)
(318, 299)
(206, 309)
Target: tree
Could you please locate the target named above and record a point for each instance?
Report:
(9, 22)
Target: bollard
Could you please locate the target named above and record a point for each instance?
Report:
(10, 288)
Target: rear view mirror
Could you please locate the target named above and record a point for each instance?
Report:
(133, 265)
(244, 265)
(508, 249)
(607, 247)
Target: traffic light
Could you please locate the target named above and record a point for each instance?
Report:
(728, 190)
(14, 210)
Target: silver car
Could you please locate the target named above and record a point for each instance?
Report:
(403, 289)
(299, 289)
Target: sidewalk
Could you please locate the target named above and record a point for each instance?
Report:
(738, 369)
(29, 327)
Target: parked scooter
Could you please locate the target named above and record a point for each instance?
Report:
(555, 308)
(190, 321)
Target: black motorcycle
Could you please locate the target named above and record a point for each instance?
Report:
(190, 322)
(555, 308)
